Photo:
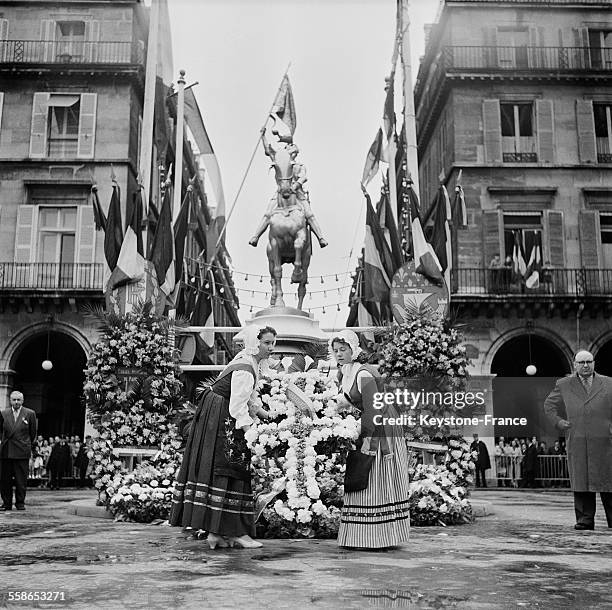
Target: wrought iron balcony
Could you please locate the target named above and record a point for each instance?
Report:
(70, 52)
(549, 283)
(51, 276)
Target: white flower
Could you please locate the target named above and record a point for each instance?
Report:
(303, 516)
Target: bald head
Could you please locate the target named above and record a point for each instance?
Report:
(584, 363)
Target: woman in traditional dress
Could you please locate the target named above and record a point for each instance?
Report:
(213, 489)
(377, 516)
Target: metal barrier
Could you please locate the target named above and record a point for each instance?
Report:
(550, 471)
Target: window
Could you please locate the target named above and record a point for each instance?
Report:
(602, 114)
(518, 142)
(524, 230)
(63, 125)
(600, 48)
(512, 48)
(70, 37)
(56, 245)
(605, 224)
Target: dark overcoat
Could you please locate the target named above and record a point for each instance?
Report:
(589, 440)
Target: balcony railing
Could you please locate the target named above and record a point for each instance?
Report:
(489, 59)
(62, 52)
(51, 276)
(549, 282)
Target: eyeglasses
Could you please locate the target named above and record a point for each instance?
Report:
(583, 362)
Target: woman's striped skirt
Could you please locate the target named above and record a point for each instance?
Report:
(378, 516)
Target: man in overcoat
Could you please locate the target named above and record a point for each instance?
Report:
(581, 405)
(17, 433)
(482, 461)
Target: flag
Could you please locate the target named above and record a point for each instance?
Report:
(162, 247)
(519, 267)
(362, 313)
(459, 211)
(180, 234)
(113, 235)
(203, 315)
(393, 258)
(389, 110)
(376, 280)
(425, 260)
(284, 108)
(534, 266)
(440, 234)
(373, 159)
(99, 216)
(130, 264)
(193, 118)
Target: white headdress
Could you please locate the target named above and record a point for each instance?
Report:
(346, 336)
(248, 336)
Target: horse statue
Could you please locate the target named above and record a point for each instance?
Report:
(290, 221)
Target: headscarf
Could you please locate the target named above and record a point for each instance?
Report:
(346, 336)
(248, 335)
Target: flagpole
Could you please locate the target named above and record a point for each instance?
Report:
(178, 153)
(391, 152)
(261, 131)
(148, 114)
(409, 114)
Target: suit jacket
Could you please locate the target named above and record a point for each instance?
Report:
(483, 461)
(16, 437)
(589, 440)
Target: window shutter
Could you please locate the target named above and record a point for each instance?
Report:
(47, 36)
(585, 123)
(590, 238)
(581, 40)
(1, 106)
(38, 133)
(87, 125)
(554, 243)
(86, 235)
(493, 231)
(25, 234)
(92, 36)
(491, 122)
(545, 126)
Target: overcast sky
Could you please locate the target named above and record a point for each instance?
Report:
(340, 52)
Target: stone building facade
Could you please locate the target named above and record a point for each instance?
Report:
(517, 94)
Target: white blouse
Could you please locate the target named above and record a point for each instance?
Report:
(243, 391)
(348, 376)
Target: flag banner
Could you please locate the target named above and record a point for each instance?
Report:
(534, 266)
(284, 109)
(519, 267)
(113, 234)
(193, 118)
(393, 259)
(130, 264)
(162, 248)
(440, 235)
(376, 281)
(389, 111)
(99, 216)
(372, 163)
(459, 211)
(425, 259)
(203, 315)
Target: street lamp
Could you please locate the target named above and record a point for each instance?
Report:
(47, 365)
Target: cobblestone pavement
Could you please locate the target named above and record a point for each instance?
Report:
(526, 554)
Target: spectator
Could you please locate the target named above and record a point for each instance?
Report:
(59, 461)
(530, 463)
(482, 461)
(503, 458)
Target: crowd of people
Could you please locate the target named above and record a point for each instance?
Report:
(58, 458)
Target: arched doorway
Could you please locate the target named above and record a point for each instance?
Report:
(516, 394)
(603, 359)
(55, 395)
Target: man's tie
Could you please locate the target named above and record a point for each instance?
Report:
(587, 382)
(15, 415)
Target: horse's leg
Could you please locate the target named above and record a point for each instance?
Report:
(276, 273)
(298, 246)
(306, 254)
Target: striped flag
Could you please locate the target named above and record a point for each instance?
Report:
(113, 234)
(377, 282)
(162, 248)
(130, 264)
(393, 258)
(425, 260)
(180, 233)
(534, 266)
(99, 216)
(519, 267)
(203, 315)
(373, 159)
(441, 235)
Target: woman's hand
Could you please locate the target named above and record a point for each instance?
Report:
(262, 413)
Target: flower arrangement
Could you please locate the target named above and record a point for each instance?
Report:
(460, 462)
(308, 453)
(436, 499)
(133, 394)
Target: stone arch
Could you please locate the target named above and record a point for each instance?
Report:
(601, 349)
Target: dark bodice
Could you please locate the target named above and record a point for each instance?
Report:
(223, 384)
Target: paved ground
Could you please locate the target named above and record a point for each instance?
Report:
(526, 554)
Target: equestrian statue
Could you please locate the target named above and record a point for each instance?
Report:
(289, 218)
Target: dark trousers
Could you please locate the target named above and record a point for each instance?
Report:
(56, 478)
(584, 505)
(481, 481)
(14, 473)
